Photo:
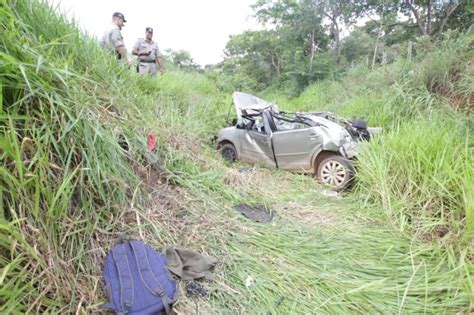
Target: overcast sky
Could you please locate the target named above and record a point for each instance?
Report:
(201, 27)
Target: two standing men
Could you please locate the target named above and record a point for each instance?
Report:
(146, 49)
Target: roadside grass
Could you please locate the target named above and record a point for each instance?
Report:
(75, 171)
(430, 196)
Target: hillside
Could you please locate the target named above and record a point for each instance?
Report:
(76, 171)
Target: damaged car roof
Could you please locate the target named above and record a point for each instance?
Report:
(250, 103)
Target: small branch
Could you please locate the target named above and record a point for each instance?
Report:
(390, 26)
(328, 16)
(449, 10)
(275, 64)
(312, 52)
(417, 16)
(428, 24)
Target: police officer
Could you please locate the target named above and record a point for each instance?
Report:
(148, 54)
(113, 39)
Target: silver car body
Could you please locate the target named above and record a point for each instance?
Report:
(281, 143)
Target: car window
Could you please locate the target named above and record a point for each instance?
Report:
(283, 125)
(258, 125)
(253, 123)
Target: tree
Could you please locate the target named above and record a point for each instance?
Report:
(301, 35)
(299, 19)
(257, 54)
(303, 41)
(358, 45)
(462, 17)
(429, 17)
(430, 13)
(182, 59)
(339, 13)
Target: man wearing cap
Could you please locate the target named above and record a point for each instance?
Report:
(113, 39)
(148, 54)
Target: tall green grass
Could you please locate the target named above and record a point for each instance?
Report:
(63, 172)
(425, 175)
(75, 171)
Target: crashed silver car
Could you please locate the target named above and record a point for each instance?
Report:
(311, 141)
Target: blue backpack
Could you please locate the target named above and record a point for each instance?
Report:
(137, 280)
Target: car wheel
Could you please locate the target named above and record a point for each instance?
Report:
(336, 172)
(228, 152)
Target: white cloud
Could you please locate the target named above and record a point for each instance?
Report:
(201, 27)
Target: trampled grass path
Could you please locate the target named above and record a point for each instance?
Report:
(321, 254)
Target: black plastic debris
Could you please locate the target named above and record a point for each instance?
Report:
(256, 213)
(196, 289)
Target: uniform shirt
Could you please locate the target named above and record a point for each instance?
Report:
(112, 38)
(143, 46)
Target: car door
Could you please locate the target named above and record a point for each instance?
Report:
(257, 147)
(294, 148)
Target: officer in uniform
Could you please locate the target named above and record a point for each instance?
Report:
(148, 54)
(113, 39)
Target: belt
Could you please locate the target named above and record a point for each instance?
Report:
(148, 61)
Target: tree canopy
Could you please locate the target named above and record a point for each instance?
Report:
(308, 40)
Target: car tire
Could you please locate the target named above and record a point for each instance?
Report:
(228, 152)
(336, 172)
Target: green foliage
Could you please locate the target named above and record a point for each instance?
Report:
(181, 59)
(255, 55)
(256, 60)
(305, 43)
(358, 45)
(73, 130)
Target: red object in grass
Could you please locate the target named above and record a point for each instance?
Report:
(151, 142)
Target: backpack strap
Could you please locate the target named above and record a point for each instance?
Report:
(119, 255)
(147, 276)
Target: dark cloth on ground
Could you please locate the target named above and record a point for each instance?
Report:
(257, 213)
(188, 264)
